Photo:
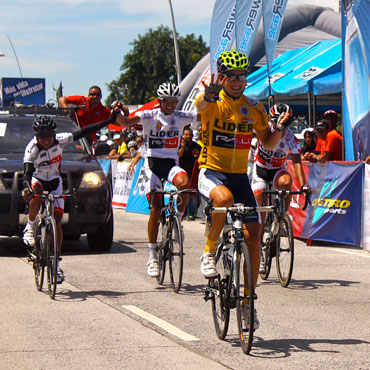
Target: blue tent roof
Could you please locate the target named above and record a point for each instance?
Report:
(315, 68)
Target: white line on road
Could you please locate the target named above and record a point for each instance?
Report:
(354, 253)
(161, 323)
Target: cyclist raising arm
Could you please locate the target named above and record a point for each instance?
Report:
(162, 129)
(228, 120)
(42, 160)
(270, 165)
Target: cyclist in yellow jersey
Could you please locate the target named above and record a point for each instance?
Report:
(228, 120)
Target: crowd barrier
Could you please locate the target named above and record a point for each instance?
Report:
(340, 203)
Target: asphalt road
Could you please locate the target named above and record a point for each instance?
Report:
(106, 313)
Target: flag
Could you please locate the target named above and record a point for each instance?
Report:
(248, 17)
(222, 29)
(273, 12)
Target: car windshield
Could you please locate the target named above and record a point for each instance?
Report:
(16, 132)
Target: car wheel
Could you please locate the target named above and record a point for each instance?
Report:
(101, 240)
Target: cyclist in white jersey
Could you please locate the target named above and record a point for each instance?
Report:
(42, 160)
(162, 129)
(270, 165)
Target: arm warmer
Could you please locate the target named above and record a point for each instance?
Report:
(29, 169)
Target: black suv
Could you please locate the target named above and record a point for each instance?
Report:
(89, 211)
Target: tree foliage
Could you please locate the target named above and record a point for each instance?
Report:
(150, 62)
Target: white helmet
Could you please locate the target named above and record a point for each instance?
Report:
(168, 90)
(131, 144)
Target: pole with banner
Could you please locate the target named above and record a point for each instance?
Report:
(222, 29)
(248, 18)
(273, 13)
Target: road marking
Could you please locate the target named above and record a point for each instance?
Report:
(354, 253)
(161, 323)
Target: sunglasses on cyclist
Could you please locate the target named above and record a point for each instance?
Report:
(45, 135)
(94, 94)
(169, 100)
(233, 77)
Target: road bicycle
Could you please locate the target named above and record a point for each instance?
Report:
(45, 253)
(278, 240)
(233, 285)
(170, 238)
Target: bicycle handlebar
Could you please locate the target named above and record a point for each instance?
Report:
(284, 193)
(241, 208)
(174, 192)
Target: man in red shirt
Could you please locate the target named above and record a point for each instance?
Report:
(331, 150)
(93, 110)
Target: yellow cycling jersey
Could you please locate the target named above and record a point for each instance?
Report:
(227, 131)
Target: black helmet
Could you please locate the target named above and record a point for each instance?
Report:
(44, 124)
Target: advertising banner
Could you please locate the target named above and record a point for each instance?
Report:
(137, 201)
(27, 91)
(356, 89)
(273, 12)
(121, 184)
(336, 210)
(248, 17)
(366, 208)
(222, 29)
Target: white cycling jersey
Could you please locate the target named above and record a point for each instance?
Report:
(47, 161)
(162, 132)
(276, 158)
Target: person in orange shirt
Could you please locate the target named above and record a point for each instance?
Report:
(92, 110)
(331, 150)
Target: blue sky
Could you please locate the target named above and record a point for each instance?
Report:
(82, 42)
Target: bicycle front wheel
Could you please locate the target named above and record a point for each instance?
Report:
(51, 245)
(267, 245)
(161, 250)
(285, 251)
(39, 258)
(176, 253)
(218, 286)
(245, 297)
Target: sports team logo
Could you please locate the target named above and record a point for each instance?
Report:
(244, 110)
(158, 126)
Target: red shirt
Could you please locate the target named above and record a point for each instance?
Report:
(88, 115)
(333, 144)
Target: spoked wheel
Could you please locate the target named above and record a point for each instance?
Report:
(162, 237)
(39, 259)
(218, 285)
(245, 297)
(285, 251)
(52, 257)
(175, 254)
(268, 242)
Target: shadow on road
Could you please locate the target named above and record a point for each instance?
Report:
(285, 347)
(312, 284)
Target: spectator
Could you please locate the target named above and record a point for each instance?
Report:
(92, 110)
(331, 118)
(188, 153)
(331, 149)
(309, 141)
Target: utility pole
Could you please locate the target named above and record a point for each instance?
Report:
(177, 56)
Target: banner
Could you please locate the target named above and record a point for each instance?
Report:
(366, 213)
(105, 165)
(273, 12)
(356, 93)
(222, 29)
(248, 17)
(137, 201)
(27, 91)
(122, 181)
(336, 210)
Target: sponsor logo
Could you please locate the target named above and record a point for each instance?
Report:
(244, 110)
(325, 204)
(233, 127)
(225, 140)
(250, 24)
(277, 18)
(158, 125)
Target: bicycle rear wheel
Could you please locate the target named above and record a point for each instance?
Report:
(161, 241)
(218, 285)
(245, 297)
(175, 254)
(39, 259)
(51, 245)
(285, 251)
(267, 245)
